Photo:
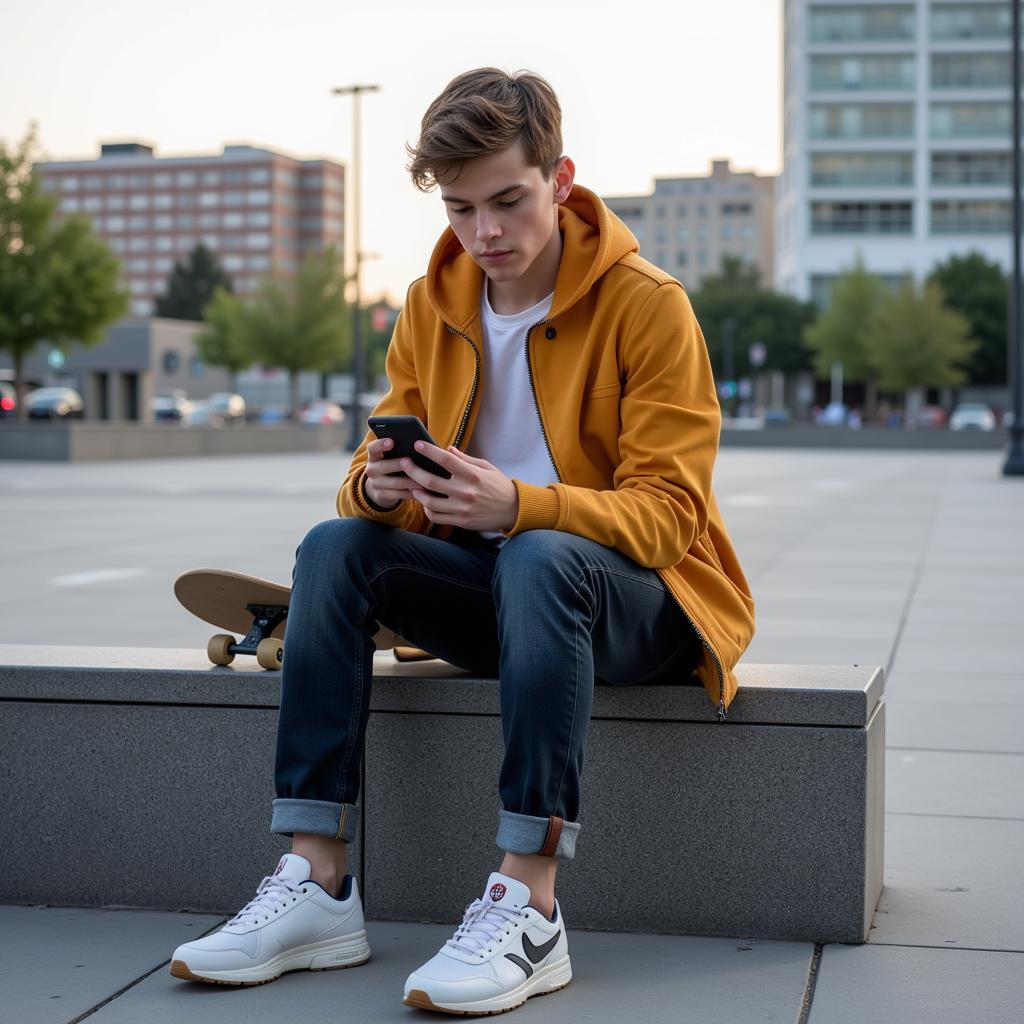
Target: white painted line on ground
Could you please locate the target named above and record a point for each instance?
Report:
(84, 579)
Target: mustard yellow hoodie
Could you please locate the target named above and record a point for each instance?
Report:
(628, 408)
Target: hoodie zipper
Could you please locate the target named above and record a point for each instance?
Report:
(722, 711)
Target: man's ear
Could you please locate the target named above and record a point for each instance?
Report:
(564, 174)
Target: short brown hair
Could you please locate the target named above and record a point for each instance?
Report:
(485, 111)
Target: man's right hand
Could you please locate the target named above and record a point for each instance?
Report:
(386, 491)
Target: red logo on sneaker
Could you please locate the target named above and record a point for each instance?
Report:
(498, 891)
(280, 866)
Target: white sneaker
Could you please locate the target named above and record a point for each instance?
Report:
(503, 952)
(292, 924)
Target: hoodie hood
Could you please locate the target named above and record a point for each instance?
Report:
(593, 240)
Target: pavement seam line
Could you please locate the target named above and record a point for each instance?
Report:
(812, 980)
(141, 978)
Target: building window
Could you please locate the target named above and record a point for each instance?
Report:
(138, 222)
(862, 169)
(861, 218)
(971, 71)
(163, 222)
(257, 240)
(681, 210)
(974, 216)
(971, 169)
(117, 181)
(211, 177)
(233, 198)
(258, 219)
(259, 262)
(233, 177)
(138, 202)
(139, 265)
(209, 220)
(259, 176)
(746, 231)
(139, 287)
(211, 241)
(702, 258)
(735, 209)
(138, 244)
(116, 245)
(702, 209)
(970, 120)
(185, 179)
(50, 184)
(258, 197)
(92, 203)
(681, 258)
(971, 21)
(702, 232)
(209, 198)
(861, 120)
(682, 233)
(235, 219)
(186, 221)
(69, 204)
(163, 201)
(845, 72)
(69, 184)
(115, 224)
(162, 180)
(141, 307)
(92, 183)
(164, 244)
(233, 263)
(163, 264)
(726, 232)
(856, 23)
(114, 202)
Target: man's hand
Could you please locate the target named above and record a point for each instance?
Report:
(387, 491)
(478, 495)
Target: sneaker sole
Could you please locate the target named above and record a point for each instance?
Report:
(543, 983)
(333, 955)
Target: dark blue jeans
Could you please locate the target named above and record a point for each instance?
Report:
(547, 614)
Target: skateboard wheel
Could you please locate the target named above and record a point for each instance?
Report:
(270, 653)
(218, 649)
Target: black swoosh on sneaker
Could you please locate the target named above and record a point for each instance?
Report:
(520, 963)
(537, 953)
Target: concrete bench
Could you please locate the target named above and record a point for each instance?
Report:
(143, 778)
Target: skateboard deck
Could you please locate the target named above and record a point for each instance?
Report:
(258, 610)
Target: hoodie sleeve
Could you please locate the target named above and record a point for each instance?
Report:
(403, 399)
(668, 441)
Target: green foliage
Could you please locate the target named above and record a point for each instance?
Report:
(758, 314)
(299, 323)
(58, 282)
(913, 340)
(980, 291)
(191, 286)
(838, 333)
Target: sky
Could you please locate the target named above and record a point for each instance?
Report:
(647, 88)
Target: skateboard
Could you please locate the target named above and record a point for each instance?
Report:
(257, 609)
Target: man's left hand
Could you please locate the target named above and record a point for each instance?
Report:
(478, 495)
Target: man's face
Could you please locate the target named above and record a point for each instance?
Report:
(500, 204)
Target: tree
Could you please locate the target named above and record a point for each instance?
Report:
(839, 333)
(57, 280)
(758, 314)
(980, 291)
(191, 285)
(914, 341)
(222, 340)
(299, 323)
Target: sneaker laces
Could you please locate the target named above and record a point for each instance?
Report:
(484, 921)
(273, 891)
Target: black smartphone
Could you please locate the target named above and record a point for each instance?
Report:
(405, 431)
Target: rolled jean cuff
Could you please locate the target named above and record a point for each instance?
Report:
(317, 817)
(524, 833)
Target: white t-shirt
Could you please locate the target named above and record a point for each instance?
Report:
(508, 432)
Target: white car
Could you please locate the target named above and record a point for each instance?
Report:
(322, 412)
(229, 406)
(972, 416)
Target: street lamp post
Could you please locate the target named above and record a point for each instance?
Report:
(1014, 465)
(358, 356)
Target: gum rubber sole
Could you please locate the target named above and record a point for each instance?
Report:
(418, 998)
(179, 969)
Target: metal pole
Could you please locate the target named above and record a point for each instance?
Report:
(1014, 465)
(358, 356)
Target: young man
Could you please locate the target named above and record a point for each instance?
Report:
(577, 538)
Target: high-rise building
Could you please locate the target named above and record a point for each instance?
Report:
(258, 210)
(688, 224)
(896, 138)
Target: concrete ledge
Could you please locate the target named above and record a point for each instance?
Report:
(84, 441)
(143, 777)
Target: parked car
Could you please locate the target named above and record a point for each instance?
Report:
(274, 413)
(8, 399)
(972, 416)
(777, 417)
(172, 408)
(930, 416)
(205, 415)
(229, 406)
(833, 415)
(55, 403)
(322, 412)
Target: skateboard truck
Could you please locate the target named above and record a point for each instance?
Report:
(269, 651)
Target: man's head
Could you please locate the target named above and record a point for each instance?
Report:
(493, 142)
